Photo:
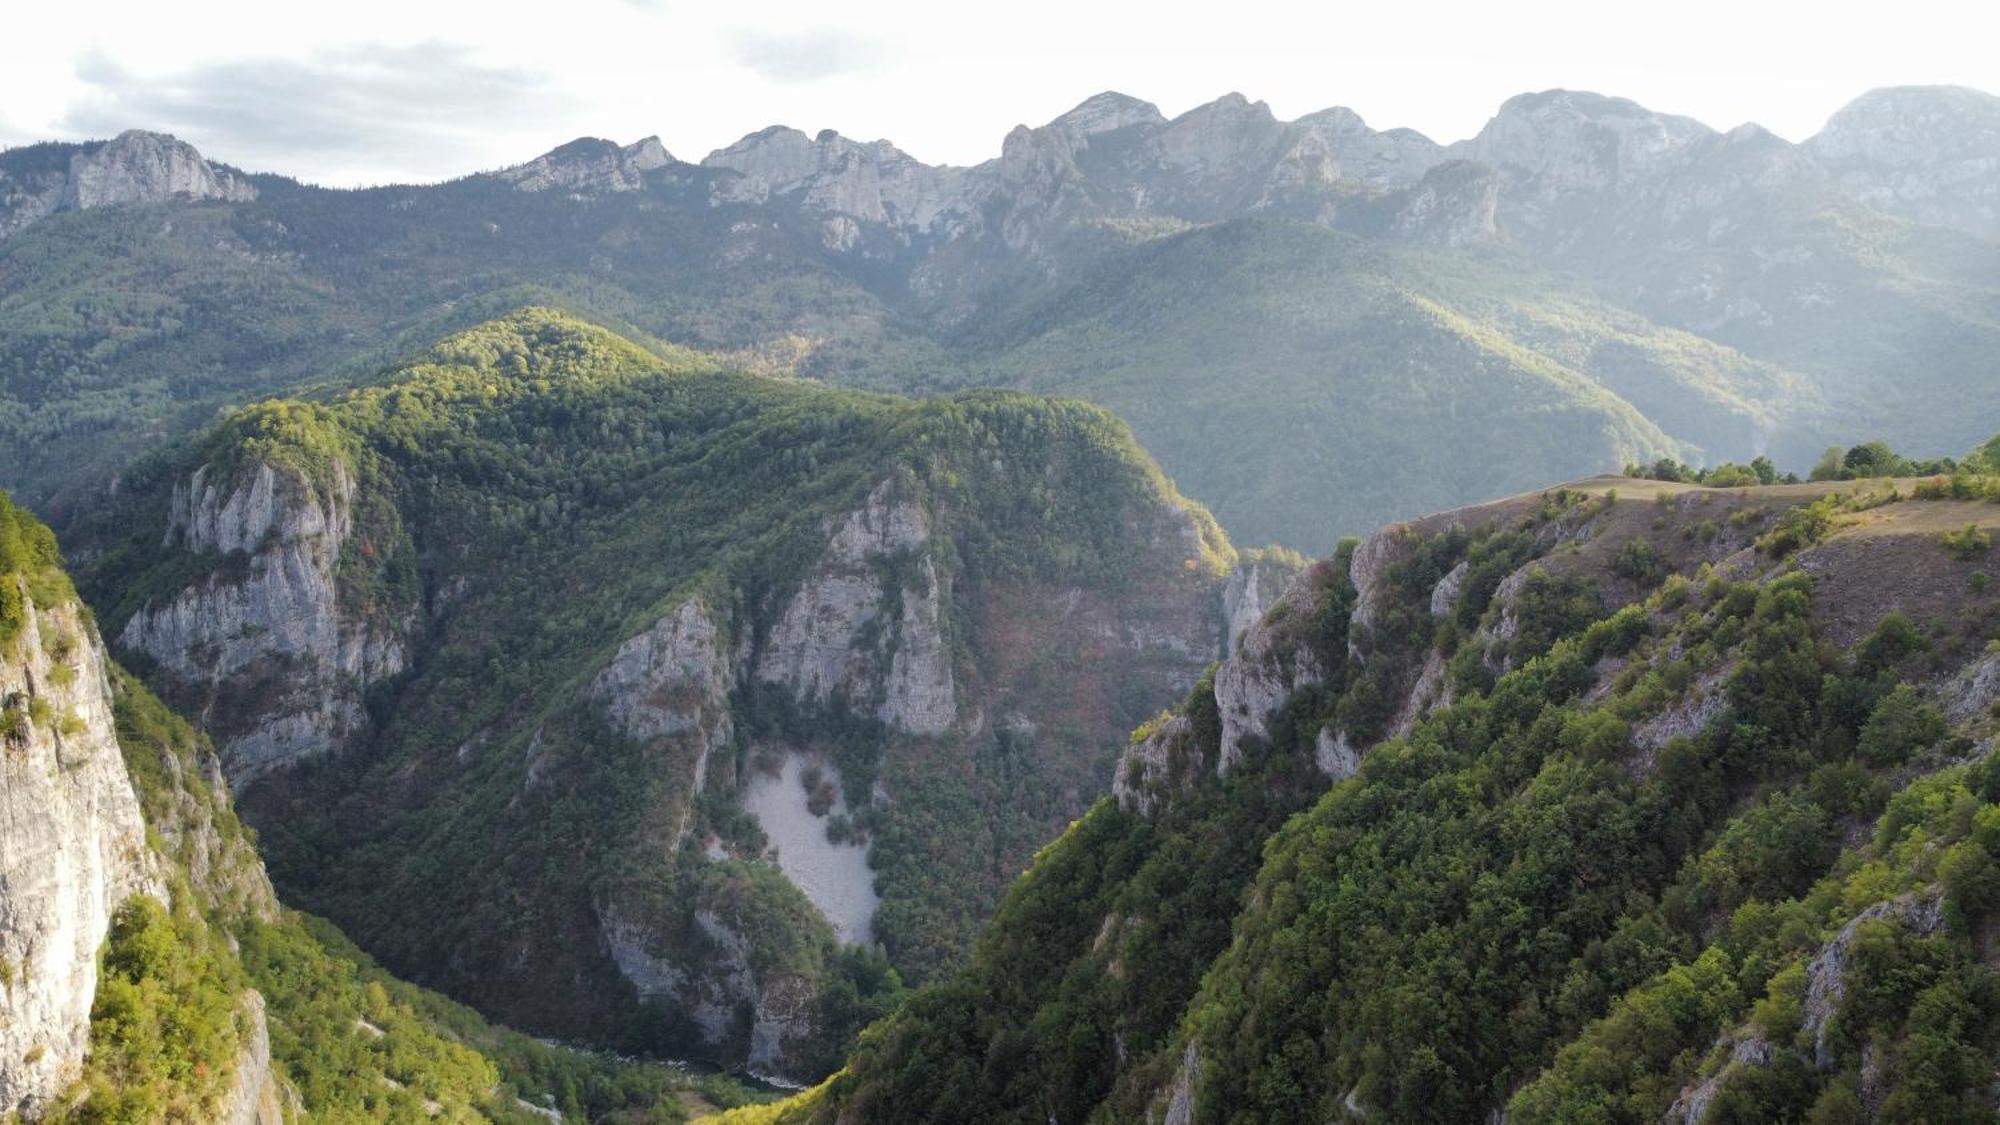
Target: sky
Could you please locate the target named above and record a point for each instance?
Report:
(376, 91)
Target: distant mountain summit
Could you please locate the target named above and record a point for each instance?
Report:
(589, 165)
(133, 167)
(1930, 154)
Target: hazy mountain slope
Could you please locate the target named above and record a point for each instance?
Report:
(151, 974)
(1856, 272)
(125, 326)
(1380, 377)
(1476, 778)
(1745, 239)
(589, 634)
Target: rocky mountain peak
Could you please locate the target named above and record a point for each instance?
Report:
(1102, 113)
(141, 167)
(1336, 120)
(134, 167)
(1930, 154)
(590, 166)
(1912, 126)
(1573, 139)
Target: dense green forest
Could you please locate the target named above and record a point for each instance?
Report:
(1665, 840)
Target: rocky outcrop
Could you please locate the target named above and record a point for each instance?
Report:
(1826, 973)
(669, 688)
(1826, 985)
(1335, 755)
(256, 1095)
(261, 647)
(1150, 767)
(1455, 204)
(590, 166)
(1747, 1048)
(1269, 662)
(1247, 596)
(1557, 144)
(817, 651)
(1179, 1108)
(919, 696)
(72, 847)
(133, 167)
(831, 177)
(716, 990)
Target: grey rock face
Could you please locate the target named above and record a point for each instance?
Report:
(255, 1095)
(1746, 1049)
(815, 649)
(274, 623)
(134, 167)
(72, 847)
(590, 166)
(1335, 756)
(1180, 1096)
(1826, 973)
(1245, 599)
(1564, 140)
(1146, 767)
(1455, 204)
(1269, 662)
(919, 696)
(783, 1008)
(139, 167)
(670, 685)
(1927, 153)
(832, 176)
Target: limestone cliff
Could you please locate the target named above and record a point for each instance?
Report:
(133, 168)
(819, 650)
(267, 613)
(670, 689)
(72, 847)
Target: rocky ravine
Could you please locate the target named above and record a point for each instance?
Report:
(866, 631)
(886, 629)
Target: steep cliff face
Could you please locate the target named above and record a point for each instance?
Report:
(72, 846)
(268, 612)
(669, 688)
(820, 649)
(134, 167)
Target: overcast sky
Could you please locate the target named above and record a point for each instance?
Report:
(369, 91)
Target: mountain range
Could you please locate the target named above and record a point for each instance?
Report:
(788, 612)
(1583, 284)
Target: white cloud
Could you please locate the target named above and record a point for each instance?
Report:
(420, 109)
(806, 56)
(457, 85)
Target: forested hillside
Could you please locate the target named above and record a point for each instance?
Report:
(655, 704)
(1625, 801)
